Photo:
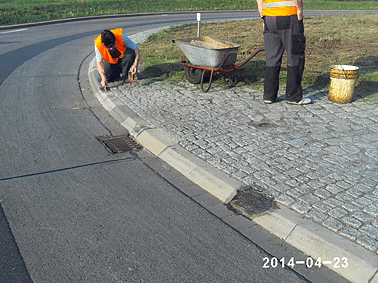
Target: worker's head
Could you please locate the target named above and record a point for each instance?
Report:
(108, 39)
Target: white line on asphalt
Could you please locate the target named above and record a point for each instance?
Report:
(11, 31)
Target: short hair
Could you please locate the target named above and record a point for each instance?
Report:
(108, 38)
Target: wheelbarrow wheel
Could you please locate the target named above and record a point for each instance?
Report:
(193, 75)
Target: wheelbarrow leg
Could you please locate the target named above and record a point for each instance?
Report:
(210, 80)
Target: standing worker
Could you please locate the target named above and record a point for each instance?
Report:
(116, 54)
(283, 30)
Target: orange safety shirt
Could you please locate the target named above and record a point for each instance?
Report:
(277, 8)
(119, 43)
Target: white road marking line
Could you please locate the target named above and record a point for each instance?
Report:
(12, 31)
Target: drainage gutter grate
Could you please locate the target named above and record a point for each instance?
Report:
(118, 144)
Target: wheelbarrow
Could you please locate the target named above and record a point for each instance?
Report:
(210, 54)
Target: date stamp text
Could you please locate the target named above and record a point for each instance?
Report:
(309, 262)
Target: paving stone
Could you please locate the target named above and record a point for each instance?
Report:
(370, 230)
(316, 184)
(309, 199)
(368, 243)
(293, 173)
(313, 175)
(303, 169)
(333, 188)
(372, 210)
(294, 193)
(239, 175)
(285, 199)
(345, 197)
(302, 179)
(372, 197)
(354, 176)
(333, 224)
(313, 166)
(371, 174)
(250, 180)
(323, 193)
(301, 207)
(333, 202)
(271, 192)
(338, 212)
(362, 216)
(362, 201)
(262, 174)
(281, 177)
(351, 221)
(350, 207)
(322, 207)
(281, 187)
(316, 215)
(350, 148)
(351, 233)
(375, 223)
(372, 153)
(229, 169)
(293, 183)
(344, 185)
(336, 177)
(364, 188)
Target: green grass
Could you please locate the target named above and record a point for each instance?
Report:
(24, 11)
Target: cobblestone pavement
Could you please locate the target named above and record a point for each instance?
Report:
(320, 160)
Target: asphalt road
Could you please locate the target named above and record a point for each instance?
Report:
(71, 211)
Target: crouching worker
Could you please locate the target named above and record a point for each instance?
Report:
(116, 55)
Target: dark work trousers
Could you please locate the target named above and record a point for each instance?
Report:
(280, 34)
(113, 71)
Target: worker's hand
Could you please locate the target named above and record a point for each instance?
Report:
(134, 69)
(104, 83)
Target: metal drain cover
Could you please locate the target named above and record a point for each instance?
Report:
(118, 144)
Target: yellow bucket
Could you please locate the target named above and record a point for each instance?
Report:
(343, 81)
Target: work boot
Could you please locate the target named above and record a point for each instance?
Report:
(304, 101)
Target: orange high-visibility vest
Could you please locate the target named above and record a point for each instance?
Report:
(277, 8)
(119, 43)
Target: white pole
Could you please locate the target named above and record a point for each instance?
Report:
(199, 24)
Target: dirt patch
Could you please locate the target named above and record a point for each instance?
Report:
(252, 202)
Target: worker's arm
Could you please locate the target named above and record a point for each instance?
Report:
(134, 67)
(100, 67)
(259, 5)
(101, 70)
(299, 4)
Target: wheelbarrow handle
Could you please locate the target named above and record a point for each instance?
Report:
(250, 57)
(226, 58)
